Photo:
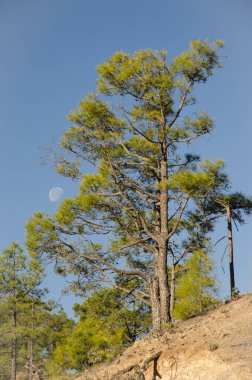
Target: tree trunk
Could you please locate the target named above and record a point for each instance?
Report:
(31, 347)
(163, 242)
(14, 347)
(155, 304)
(30, 359)
(230, 253)
(163, 284)
(172, 287)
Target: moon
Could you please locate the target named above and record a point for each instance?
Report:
(55, 194)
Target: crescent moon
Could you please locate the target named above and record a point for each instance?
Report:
(55, 194)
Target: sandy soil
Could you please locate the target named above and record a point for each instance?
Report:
(214, 346)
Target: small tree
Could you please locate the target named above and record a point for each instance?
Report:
(19, 279)
(234, 206)
(195, 287)
(197, 225)
(143, 185)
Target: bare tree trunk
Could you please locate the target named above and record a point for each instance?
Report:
(163, 242)
(155, 304)
(230, 253)
(172, 286)
(14, 348)
(164, 285)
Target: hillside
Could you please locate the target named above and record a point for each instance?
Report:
(214, 346)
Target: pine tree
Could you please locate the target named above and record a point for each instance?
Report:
(195, 286)
(233, 207)
(19, 280)
(144, 182)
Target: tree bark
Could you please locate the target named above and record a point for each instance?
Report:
(163, 242)
(163, 284)
(30, 359)
(230, 252)
(155, 304)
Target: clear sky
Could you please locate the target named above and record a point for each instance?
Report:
(49, 52)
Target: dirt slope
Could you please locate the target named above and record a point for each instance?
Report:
(215, 346)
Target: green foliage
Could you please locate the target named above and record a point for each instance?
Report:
(198, 63)
(106, 326)
(18, 277)
(19, 285)
(42, 324)
(24, 317)
(195, 287)
(5, 340)
(240, 205)
(198, 184)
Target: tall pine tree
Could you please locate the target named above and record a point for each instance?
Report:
(144, 182)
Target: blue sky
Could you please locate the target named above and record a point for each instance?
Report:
(49, 52)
